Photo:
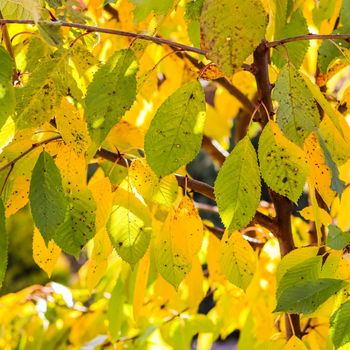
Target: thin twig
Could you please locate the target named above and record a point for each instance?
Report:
(95, 29)
(32, 148)
(308, 36)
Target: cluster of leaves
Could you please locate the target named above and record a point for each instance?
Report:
(96, 130)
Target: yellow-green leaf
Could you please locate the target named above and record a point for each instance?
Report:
(231, 30)
(297, 113)
(237, 259)
(237, 187)
(179, 239)
(175, 135)
(282, 163)
(129, 227)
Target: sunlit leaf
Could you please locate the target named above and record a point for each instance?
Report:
(45, 254)
(282, 163)
(237, 187)
(297, 113)
(175, 135)
(237, 260)
(111, 93)
(231, 31)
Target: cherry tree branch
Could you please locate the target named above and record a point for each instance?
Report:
(308, 36)
(94, 29)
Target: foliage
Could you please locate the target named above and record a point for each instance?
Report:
(102, 116)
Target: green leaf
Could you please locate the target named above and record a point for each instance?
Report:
(175, 135)
(144, 7)
(297, 113)
(111, 93)
(130, 228)
(330, 50)
(345, 15)
(293, 53)
(237, 259)
(7, 93)
(340, 325)
(282, 163)
(237, 187)
(78, 226)
(231, 30)
(337, 185)
(336, 238)
(46, 195)
(323, 10)
(305, 271)
(51, 32)
(3, 244)
(192, 17)
(305, 297)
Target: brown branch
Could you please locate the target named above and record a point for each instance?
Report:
(214, 149)
(283, 205)
(308, 36)
(95, 29)
(8, 44)
(195, 185)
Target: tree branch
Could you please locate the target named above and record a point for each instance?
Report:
(308, 36)
(195, 185)
(214, 149)
(88, 28)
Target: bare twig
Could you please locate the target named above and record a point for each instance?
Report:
(308, 36)
(95, 29)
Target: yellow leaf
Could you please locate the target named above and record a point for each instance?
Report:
(125, 137)
(192, 287)
(308, 214)
(72, 167)
(141, 284)
(294, 343)
(320, 175)
(178, 241)
(101, 190)
(72, 127)
(18, 197)
(343, 217)
(337, 144)
(213, 254)
(149, 186)
(98, 261)
(45, 256)
(237, 259)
